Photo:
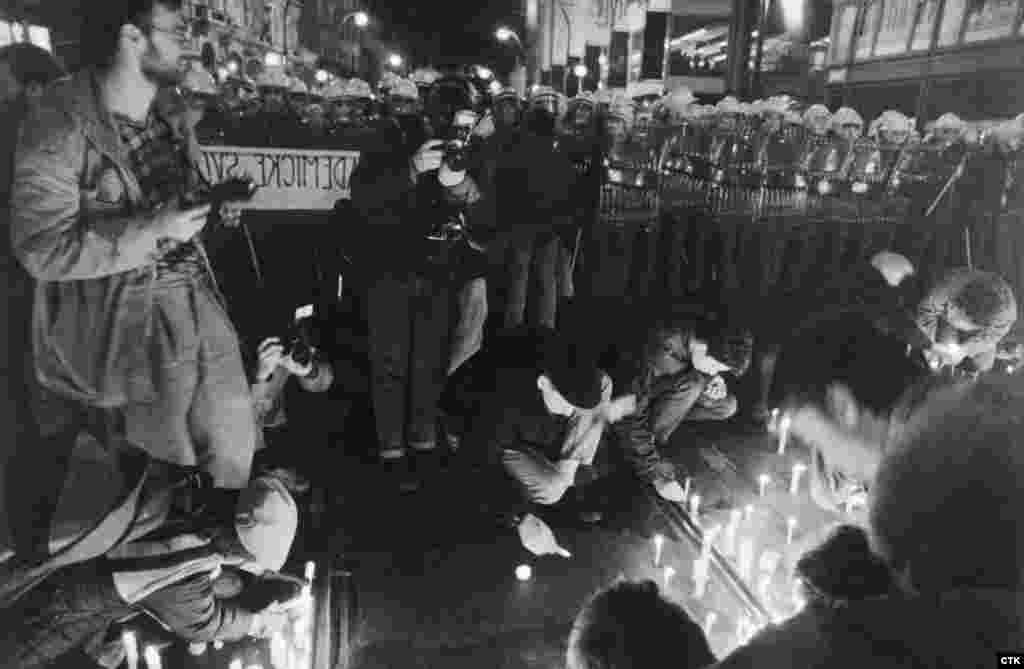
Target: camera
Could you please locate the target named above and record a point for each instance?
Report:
(298, 343)
(454, 155)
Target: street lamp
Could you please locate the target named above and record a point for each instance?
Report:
(395, 61)
(360, 18)
(484, 72)
(507, 34)
(580, 71)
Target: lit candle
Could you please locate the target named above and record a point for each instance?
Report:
(709, 622)
(709, 539)
(762, 484)
(746, 559)
(695, 507)
(197, 648)
(310, 571)
(784, 423)
(700, 576)
(799, 601)
(790, 529)
(794, 481)
(131, 649)
(687, 486)
(523, 572)
(731, 532)
(152, 656)
(218, 644)
(668, 573)
(748, 512)
(764, 584)
(659, 543)
(235, 664)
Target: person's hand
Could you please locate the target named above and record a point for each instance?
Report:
(716, 389)
(231, 214)
(295, 368)
(271, 355)
(181, 225)
(464, 189)
(538, 538)
(428, 157)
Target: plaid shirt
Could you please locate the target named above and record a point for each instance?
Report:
(161, 166)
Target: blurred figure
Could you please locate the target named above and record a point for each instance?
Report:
(631, 625)
(202, 113)
(965, 316)
(170, 575)
(958, 601)
(25, 71)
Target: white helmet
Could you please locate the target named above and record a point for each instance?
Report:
(891, 120)
(273, 77)
(819, 113)
(846, 116)
(199, 81)
(404, 88)
(356, 89)
(728, 105)
(299, 87)
(424, 76)
(334, 90)
(949, 121)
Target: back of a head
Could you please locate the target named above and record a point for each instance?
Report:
(631, 626)
(848, 348)
(948, 497)
(986, 299)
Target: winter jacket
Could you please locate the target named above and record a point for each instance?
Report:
(960, 629)
(534, 186)
(78, 227)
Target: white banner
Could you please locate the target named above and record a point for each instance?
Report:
(292, 179)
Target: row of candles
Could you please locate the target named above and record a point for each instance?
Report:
(291, 657)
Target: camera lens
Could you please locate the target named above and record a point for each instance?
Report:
(301, 353)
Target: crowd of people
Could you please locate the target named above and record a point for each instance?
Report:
(150, 471)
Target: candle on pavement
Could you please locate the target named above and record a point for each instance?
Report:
(668, 573)
(131, 649)
(709, 539)
(790, 529)
(731, 532)
(794, 480)
(235, 664)
(695, 507)
(152, 656)
(659, 543)
(762, 484)
(748, 512)
(784, 424)
(709, 622)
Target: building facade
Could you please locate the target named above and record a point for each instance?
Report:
(328, 29)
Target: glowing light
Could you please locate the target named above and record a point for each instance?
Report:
(602, 60)
(687, 485)
(222, 73)
(659, 543)
(793, 14)
(790, 529)
(695, 507)
(394, 60)
(668, 574)
(762, 484)
(701, 572)
(580, 71)
(505, 34)
(233, 67)
(131, 649)
(235, 664)
(218, 644)
(784, 424)
(361, 19)
(523, 572)
(152, 656)
(197, 648)
(794, 481)
(484, 72)
(709, 622)
(495, 87)
(322, 76)
(273, 59)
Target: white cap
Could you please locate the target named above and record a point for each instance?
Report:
(273, 77)
(404, 88)
(266, 519)
(200, 81)
(846, 116)
(776, 104)
(356, 89)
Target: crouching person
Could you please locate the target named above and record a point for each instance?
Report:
(537, 415)
(679, 379)
(168, 574)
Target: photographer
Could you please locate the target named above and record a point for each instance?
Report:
(426, 220)
(278, 364)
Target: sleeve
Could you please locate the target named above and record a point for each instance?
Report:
(50, 233)
(636, 438)
(191, 611)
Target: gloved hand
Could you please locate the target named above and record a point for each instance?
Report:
(428, 157)
(538, 538)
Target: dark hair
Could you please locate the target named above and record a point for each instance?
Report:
(101, 27)
(984, 298)
(844, 347)
(947, 498)
(630, 624)
(843, 568)
(31, 64)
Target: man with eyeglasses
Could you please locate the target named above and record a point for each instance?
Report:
(131, 335)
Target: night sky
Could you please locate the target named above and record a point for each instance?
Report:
(449, 32)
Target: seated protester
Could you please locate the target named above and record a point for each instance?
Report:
(314, 375)
(843, 569)
(539, 408)
(844, 386)
(965, 316)
(958, 601)
(631, 625)
(168, 574)
(680, 379)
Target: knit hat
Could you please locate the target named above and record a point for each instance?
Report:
(266, 519)
(572, 369)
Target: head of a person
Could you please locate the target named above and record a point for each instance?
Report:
(25, 70)
(945, 510)
(841, 377)
(139, 36)
(667, 345)
(506, 108)
(630, 625)
(451, 107)
(264, 524)
(984, 300)
(843, 568)
(199, 90)
(569, 378)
